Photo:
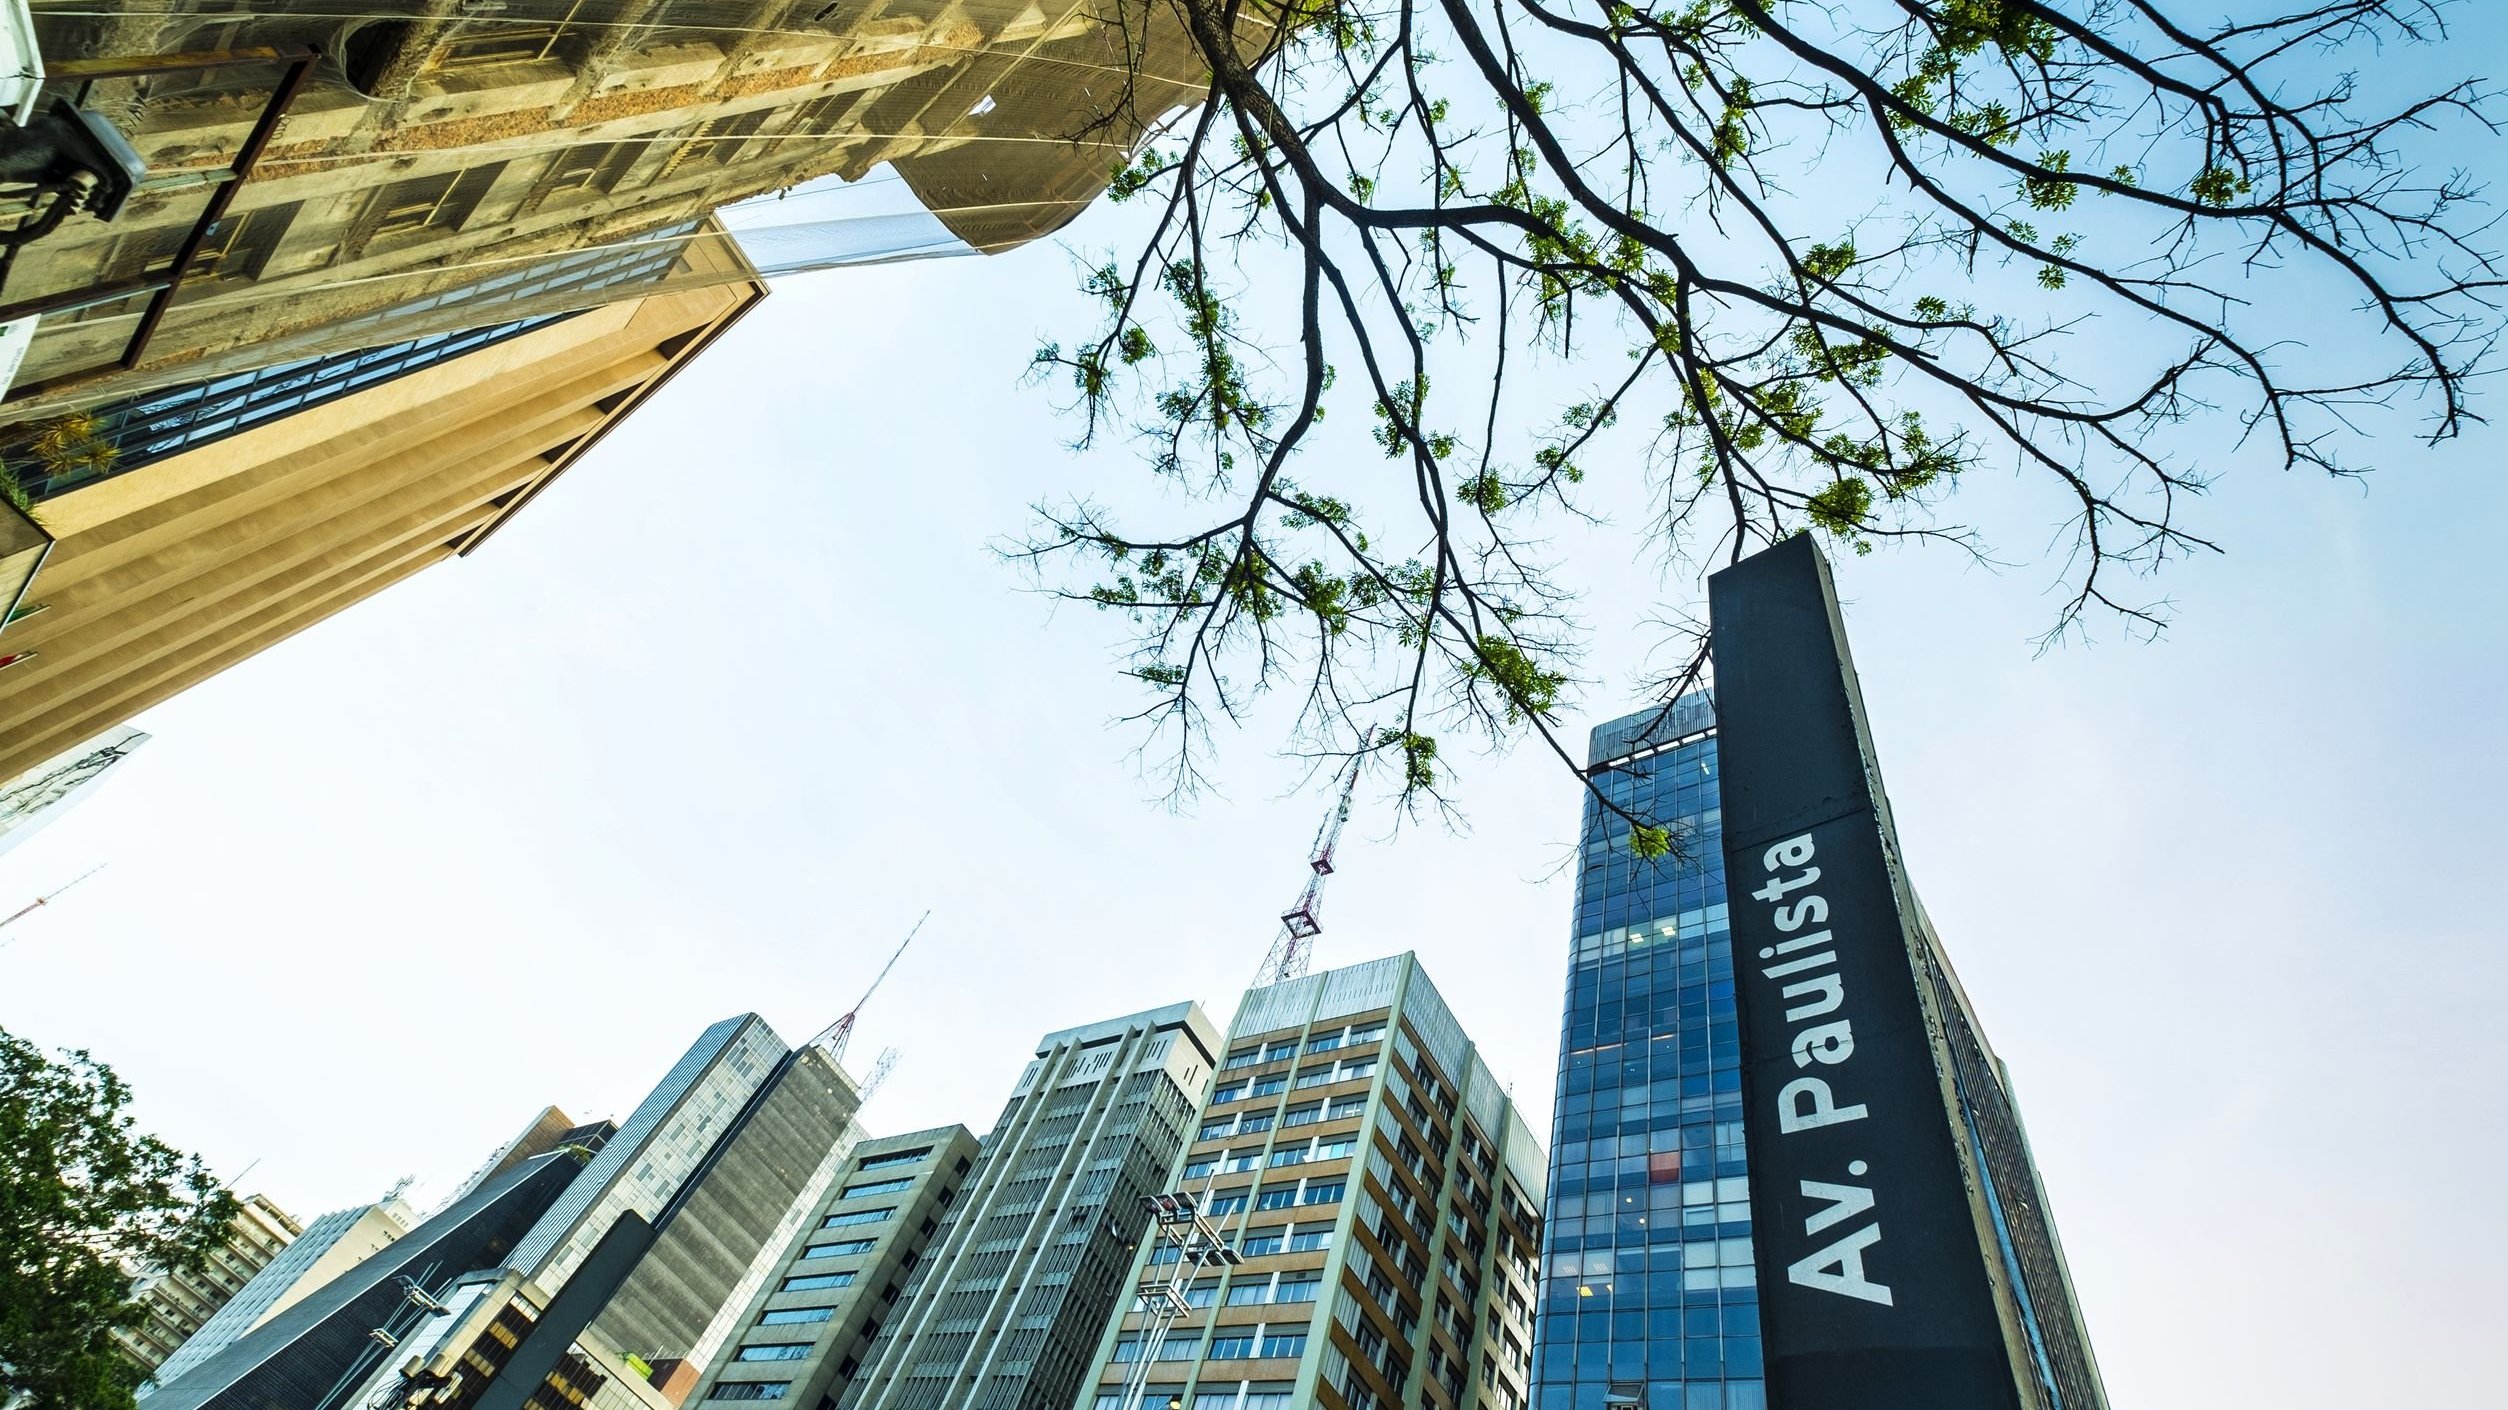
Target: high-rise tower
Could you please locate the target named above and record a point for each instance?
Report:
(1377, 1195)
(1029, 1265)
(1798, 1181)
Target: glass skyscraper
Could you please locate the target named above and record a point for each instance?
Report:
(1648, 1294)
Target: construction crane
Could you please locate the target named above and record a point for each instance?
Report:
(841, 1031)
(40, 901)
(1304, 920)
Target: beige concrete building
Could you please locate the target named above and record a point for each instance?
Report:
(438, 142)
(176, 1305)
(168, 571)
(1378, 1197)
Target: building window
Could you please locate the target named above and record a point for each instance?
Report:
(1243, 1293)
(876, 1187)
(497, 44)
(1195, 1170)
(1201, 1295)
(1229, 1093)
(1315, 1076)
(795, 1316)
(1323, 1042)
(812, 1282)
(585, 170)
(839, 1250)
(1229, 1203)
(1270, 1086)
(1302, 1115)
(1212, 1130)
(409, 210)
(1299, 1287)
(775, 1351)
(1232, 1344)
(1242, 1057)
(857, 1216)
(1284, 1341)
(1261, 1242)
(1243, 1160)
(751, 1390)
(896, 1158)
(1277, 1199)
(1323, 1191)
(1309, 1237)
(1255, 1121)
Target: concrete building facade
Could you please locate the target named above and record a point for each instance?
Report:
(1029, 1264)
(1381, 1197)
(802, 1336)
(175, 1305)
(434, 140)
(245, 531)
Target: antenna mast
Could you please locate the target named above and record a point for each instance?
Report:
(40, 901)
(841, 1030)
(1304, 920)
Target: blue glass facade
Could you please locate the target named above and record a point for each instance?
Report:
(1648, 1294)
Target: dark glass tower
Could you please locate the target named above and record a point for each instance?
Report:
(1648, 1295)
(1792, 1178)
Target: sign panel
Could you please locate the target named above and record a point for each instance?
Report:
(1872, 1275)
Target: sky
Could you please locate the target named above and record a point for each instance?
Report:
(707, 729)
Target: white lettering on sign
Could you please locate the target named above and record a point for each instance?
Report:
(1804, 969)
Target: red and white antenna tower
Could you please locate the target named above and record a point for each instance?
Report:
(841, 1031)
(41, 901)
(1304, 920)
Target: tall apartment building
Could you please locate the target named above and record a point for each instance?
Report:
(1380, 1197)
(328, 1247)
(236, 513)
(434, 141)
(1787, 1171)
(174, 1305)
(804, 1333)
(1029, 1264)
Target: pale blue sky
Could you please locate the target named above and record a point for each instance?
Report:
(707, 727)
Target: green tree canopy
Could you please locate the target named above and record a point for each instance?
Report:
(86, 1200)
(1800, 265)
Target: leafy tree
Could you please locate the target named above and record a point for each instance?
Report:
(1809, 264)
(85, 1199)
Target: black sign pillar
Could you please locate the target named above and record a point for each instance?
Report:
(1874, 1287)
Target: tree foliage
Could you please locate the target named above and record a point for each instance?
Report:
(86, 1200)
(1808, 266)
